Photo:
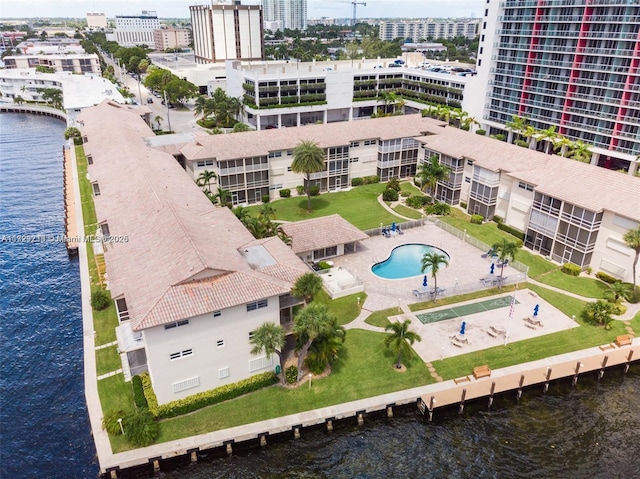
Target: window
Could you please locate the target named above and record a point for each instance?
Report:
(354, 160)
(289, 152)
(104, 230)
(251, 333)
(181, 354)
(96, 189)
(85, 139)
(354, 144)
(467, 179)
(275, 154)
(177, 324)
(90, 159)
(288, 168)
(223, 373)
(370, 142)
(205, 163)
(525, 186)
(217, 314)
(220, 343)
(257, 305)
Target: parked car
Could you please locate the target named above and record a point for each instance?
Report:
(149, 100)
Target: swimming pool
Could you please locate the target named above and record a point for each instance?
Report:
(405, 261)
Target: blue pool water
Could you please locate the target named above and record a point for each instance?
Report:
(405, 261)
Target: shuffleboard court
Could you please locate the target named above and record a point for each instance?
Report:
(465, 310)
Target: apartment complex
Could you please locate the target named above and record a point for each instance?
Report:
(72, 62)
(171, 38)
(227, 32)
(189, 282)
(286, 95)
(569, 211)
(96, 21)
(420, 30)
(132, 30)
(573, 65)
(291, 14)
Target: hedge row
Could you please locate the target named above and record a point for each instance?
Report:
(605, 277)
(365, 180)
(518, 234)
(571, 269)
(206, 398)
(139, 398)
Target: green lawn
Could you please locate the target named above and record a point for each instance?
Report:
(346, 309)
(365, 369)
(587, 287)
(107, 360)
(359, 206)
(408, 212)
(411, 188)
(380, 318)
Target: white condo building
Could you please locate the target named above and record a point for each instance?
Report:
(420, 30)
(572, 65)
(227, 32)
(96, 21)
(291, 14)
(132, 30)
(70, 62)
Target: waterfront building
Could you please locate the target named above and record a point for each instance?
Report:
(569, 65)
(67, 62)
(568, 211)
(291, 14)
(279, 94)
(133, 30)
(171, 38)
(424, 29)
(96, 21)
(227, 32)
(190, 283)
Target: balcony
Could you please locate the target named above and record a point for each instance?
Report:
(537, 205)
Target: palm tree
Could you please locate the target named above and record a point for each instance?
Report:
(325, 349)
(432, 171)
(241, 213)
(223, 196)
(505, 250)
(308, 158)
(311, 322)
(632, 238)
(549, 135)
(270, 338)
(562, 144)
(158, 119)
(200, 103)
(580, 151)
(267, 211)
(618, 291)
(529, 134)
(517, 125)
(600, 313)
(397, 340)
(433, 261)
(204, 180)
(307, 287)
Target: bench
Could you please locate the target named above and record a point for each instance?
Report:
(481, 372)
(456, 343)
(607, 347)
(464, 379)
(623, 340)
(530, 326)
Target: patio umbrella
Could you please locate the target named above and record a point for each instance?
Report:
(492, 268)
(424, 281)
(535, 310)
(462, 326)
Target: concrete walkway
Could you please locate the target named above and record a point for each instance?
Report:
(390, 209)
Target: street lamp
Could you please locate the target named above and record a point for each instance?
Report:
(120, 423)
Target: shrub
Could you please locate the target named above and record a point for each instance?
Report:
(314, 190)
(315, 365)
(369, 180)
(390, 195)
(512, 231)
(100, 300)
(393, 184)
(138, 392)
(285, 193)
(300, 190)
(149, 393)
(266, 198)
(141, 428)
(477, 219)
(600, 313)
(205, 398)
(589, 269)
(324, 265)
(405, 194)
(605, 277)
(571, 269)
(72, 132)
(440, 209)
(480, 131)
(356, 181)
(110, 422)
(463, 204)
(497, 219)
(522, 143)
(634, 296)
(291, 374)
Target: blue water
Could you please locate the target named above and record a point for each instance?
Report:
(587, 431)
(405, 261)
(44, 427)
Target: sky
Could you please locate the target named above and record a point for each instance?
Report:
(180, 8)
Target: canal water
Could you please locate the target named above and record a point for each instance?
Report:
(592, 430)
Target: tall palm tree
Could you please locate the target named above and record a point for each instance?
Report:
(201, 106)
(430, 172)
(267, 211)
(223, 196)
(549, 135)
(562, 144)
(311, 322)
(270, 338)
(580, 151)
(158, 119)
(307, 286)
(308, 158)
(204, 179)
(433, 261)
(517, 125)
(325, 349)
(632, 238)
(529, 134)
(505, 250)
(242, 213)
(397, 340)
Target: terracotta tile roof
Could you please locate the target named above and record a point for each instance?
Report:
(581, 184)
(317, 233)
(175, 235)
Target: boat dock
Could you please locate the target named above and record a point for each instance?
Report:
(70, 225)
(428, 399)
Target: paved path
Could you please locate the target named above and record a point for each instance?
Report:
(390, 210)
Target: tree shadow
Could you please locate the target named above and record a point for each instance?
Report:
(317, 204)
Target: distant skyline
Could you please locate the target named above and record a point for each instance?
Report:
(180, 8)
